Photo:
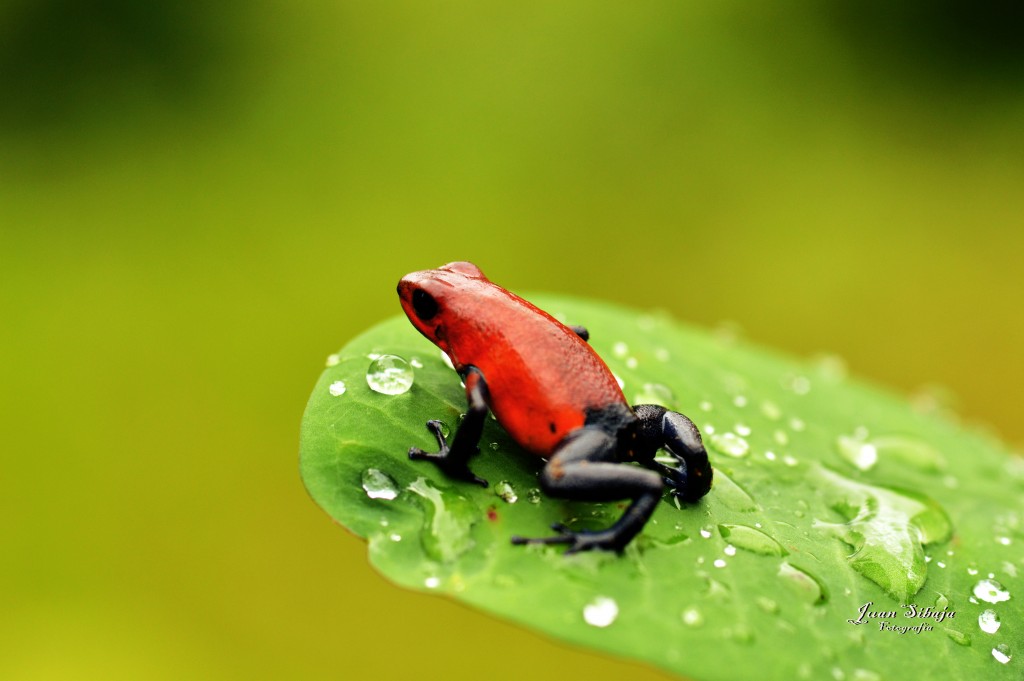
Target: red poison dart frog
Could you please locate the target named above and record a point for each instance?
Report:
(556, 398)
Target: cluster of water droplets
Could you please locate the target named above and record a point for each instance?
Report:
(386, 374)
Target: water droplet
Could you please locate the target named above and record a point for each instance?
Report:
(395, 537)
(742, 429)
(534, 496)
(661, 354)
(935, 400)
(719, 563)
(655, 393)
(705, 532)
(631, 363)
(972, 571)
(864, 675)
(958, 637)
(886, 529)
(333, 359)
(1009, 568)
(797, 425)
(379, 485)
(729, 550)
(780, 437)
(505, 490)
(716, 589)
(991, 591)
(831, 367)
(731, 494)
(740, 401)
(692, 617)
(789, 460)
(620, 349)
(336, 388)
(618, 379)
(389, 375)
(727, 332)
(771, 410)
(770, 455)
(989, 621)
(805, 585)
(601, 611)
(941, 601)
(740, 633)
(861, 454)
(749, 539)
(706, 406)
(447, 360)
(767, 604)
(431, 582)
(447, 521)
(1005, 541)
(801, 385)
(1002, 653)
(731, 444)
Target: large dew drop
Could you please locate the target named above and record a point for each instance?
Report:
(864, 452)
(861, 454)
(389, 375)
(449, 518)
(730, 444)
(805, 585)
(731, 494)
(750, 539)
(989, 622)
(379, 485)
(991, 591)
(506, 492)
(886, 529)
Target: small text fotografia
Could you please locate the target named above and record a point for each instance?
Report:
(893, 620)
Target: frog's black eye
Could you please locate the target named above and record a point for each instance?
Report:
(423, 304)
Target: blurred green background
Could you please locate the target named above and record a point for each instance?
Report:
(200, 201)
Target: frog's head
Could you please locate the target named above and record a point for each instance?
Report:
(431, 298)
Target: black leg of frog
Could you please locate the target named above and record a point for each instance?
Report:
(659, 427)
(581, 331)
(454, 459)
(587, 467)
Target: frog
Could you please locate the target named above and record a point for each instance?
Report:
(557, 399)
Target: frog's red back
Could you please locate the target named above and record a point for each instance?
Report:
(542, 378)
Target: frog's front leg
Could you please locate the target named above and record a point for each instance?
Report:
(585, 467)
(454, 459)
(659, 427)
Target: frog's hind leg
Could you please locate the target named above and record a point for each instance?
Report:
(661, 428)
(586, 468)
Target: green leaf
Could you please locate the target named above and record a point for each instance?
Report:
(828, 495)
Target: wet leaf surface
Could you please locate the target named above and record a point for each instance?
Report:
(829, 494)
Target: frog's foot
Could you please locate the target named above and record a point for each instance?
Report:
(658, 427)
(453, 465)
(604, 540)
